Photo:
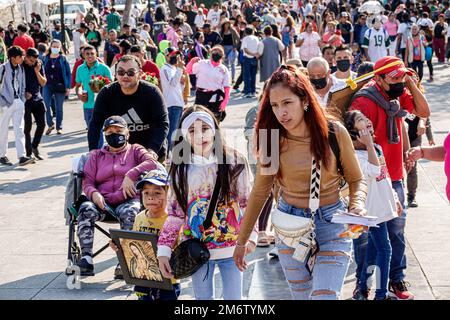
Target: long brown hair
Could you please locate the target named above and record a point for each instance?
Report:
(315, 117)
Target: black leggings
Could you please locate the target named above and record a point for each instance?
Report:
(430, 67)
(37, 109)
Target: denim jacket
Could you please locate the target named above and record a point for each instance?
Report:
(67, 74)
(6, 88)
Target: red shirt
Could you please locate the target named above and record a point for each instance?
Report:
(393, 153)
(25, 42)
(151, 67)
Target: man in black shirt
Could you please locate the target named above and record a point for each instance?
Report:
(127, 35)
(34, 80)
(141, 104)
(10, 35)
(212, 38)
(38, 35)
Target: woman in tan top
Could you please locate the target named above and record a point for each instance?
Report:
(290, 108)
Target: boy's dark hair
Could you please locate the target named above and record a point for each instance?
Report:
(365, 68)
(88, 47)
(15, 51)
(249, 30)
(22, 28)
(135, 49)
(327, 47)
(342, 47)
(32, 52)
(42, 47)
(125, 44)
(268, 31)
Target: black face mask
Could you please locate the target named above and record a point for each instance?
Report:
(173, 60)
(395, 90)
(116, 140)
(216, 57)
(343, 65)
(319, 83)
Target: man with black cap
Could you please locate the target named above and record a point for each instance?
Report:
(138, 102)
(110, 175)
(385, 101)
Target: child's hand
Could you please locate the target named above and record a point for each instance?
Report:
(365, 137)
(164, 267)
(113, 246)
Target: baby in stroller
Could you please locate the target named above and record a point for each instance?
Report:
(109, 180)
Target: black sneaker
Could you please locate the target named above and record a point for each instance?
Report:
(25, 160)
(5, 161)
(86, 269)
(36, 153)
(118, 275)
(412, 203)
(359, 294)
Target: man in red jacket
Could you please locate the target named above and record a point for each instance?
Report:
(397, 94)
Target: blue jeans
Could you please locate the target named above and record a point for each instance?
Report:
(174, 119)
(47, 94)
(332, 261)
(379, 249)
(396, 228)
(230, 59)
(359, 249)
(231, 280)
(250, 67)
(87, 118)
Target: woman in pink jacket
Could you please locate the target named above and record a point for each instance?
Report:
(109, 178)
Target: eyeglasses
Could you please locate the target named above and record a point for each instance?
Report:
(130, 73)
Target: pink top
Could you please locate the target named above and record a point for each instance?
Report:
(336, 43)
(391, 28)
(447, 164)
(310, 47)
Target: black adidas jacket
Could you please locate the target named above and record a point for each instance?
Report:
(144, 111)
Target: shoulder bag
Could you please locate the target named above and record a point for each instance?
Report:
(192, 254)
(299, 232)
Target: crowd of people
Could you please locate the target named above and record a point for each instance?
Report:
(304, 51)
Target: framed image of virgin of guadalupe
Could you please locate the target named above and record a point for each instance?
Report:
(339, 101)
(137, 258)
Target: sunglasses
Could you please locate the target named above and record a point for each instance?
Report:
(130, 73)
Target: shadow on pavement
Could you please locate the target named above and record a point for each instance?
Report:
(52, 286)
(59, 179)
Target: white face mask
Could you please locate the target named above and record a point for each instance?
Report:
(55, 50)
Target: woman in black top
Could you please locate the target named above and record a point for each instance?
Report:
(230, 43)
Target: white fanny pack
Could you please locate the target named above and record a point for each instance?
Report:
(299, 232)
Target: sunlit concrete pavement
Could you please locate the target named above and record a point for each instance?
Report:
(34, 237)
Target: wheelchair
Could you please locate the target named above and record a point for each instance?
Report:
(74, 199)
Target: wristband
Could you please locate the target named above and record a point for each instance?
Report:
(241, 245)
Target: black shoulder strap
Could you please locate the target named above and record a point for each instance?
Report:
(212, 204)
(332, 140)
